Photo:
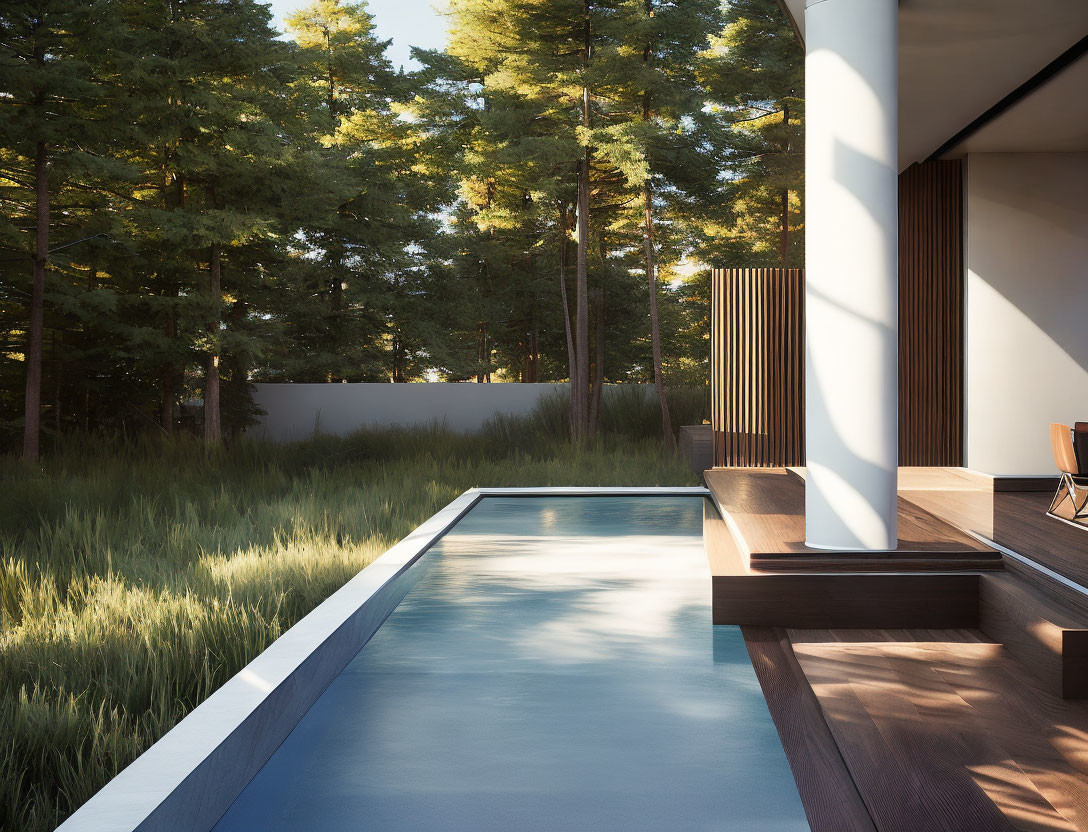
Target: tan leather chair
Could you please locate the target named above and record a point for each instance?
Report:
(1074, 470)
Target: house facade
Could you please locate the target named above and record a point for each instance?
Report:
(946, 273)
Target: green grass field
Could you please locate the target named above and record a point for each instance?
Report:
(136, 578)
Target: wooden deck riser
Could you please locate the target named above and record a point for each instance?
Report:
(762, 579)
(1046, 639)
(848, 601)
(875, 562)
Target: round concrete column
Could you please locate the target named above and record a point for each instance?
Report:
(851, 273)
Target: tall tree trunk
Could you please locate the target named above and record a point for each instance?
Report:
(572, 364)
(581, 310)
(580, 385)
(531, 359)
(655, 326)
(598, 362)
(483, 352)
(398, 371)
(651, 270)
(33, 411)
(784, 232)
(58, 381)
(169, 382)
(169, 376)
(331, 100)
(483, 355)
(784, 229)
(213, 429)
(534, 356)
(336, 291)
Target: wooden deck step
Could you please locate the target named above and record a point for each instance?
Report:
(1049, 640)
(764, 575)
(949, 734)
(765, 509)
(876, 600)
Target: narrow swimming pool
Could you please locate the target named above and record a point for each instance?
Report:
(553, 668)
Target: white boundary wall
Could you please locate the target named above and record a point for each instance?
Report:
(297, 411)
(1026, 351)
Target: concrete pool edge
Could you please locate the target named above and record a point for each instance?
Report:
(188, 779)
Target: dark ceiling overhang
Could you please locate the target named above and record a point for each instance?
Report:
(974, 75)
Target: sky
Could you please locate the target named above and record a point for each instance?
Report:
(408, 22)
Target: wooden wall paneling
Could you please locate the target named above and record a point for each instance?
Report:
(931, 314)
(797, 349)
(757, 340)
(757, 353)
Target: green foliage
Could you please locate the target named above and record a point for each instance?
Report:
(754, 76)
(628, 413)
(127, 597)
(520, 76)
(373, 225)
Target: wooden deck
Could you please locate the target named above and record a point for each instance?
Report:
(922, 730)
(940, 577)
(938, 687)
(764, 575)
(766, 510)
(1013, 519)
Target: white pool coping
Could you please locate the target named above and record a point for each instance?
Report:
(190, 777)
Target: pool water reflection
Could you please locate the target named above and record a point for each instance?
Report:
(555, 668)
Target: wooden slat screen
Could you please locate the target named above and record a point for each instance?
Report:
(931, 314)
(757, 367)
(757, 340)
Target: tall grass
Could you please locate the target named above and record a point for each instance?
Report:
(136, 578)
(629, 411)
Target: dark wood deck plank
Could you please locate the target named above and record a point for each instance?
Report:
(831, 800)
(1036, 735)
(949, 735)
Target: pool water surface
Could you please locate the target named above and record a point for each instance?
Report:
(554, 668)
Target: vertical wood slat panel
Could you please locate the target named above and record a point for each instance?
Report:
(931, 314)
(757, 343)
(757, 340)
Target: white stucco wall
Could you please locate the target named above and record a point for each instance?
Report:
(1026, 306)
(294, 411)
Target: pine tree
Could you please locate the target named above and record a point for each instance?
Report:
(540, 57)
(656, 100)
(225, 206)
(214, 179)
(53, 56)
(754, 72)
(364, 232)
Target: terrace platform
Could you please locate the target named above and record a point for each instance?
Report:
(764, 575)
(922, 730)
(1011, 515)
(935, 687)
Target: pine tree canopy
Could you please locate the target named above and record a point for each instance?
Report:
(220, 206)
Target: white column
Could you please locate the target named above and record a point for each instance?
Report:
(851, 273)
